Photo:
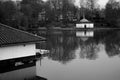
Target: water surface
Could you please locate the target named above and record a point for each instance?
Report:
(83, 55)
(75, 55)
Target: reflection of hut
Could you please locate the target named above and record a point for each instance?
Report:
(84, 33)
(84, 23)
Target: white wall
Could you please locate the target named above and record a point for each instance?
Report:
(17, 51)
(90, 25)
(82, 25)
(79, 25)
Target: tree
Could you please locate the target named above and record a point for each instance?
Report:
(112, 12)
(68, 10)
(31, 10)
(7, 9)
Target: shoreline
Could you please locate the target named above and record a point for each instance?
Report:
(77, 29)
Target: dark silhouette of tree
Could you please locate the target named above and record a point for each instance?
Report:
(112, 12)
(32, 9)
(30, 14)
(7, 9)
(1, 13)
(68, 10)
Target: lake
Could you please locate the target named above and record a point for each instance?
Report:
(73, 55)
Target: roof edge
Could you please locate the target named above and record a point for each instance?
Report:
(22, 31)
(22, 43)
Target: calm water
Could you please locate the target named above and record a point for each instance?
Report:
(75, 55)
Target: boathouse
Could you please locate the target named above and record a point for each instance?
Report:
(84, 23)
(16, 43)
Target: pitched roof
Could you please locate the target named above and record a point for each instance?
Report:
(84, 20)
(12, 36)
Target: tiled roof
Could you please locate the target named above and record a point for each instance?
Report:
(12, 36)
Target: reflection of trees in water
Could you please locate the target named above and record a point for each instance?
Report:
(62, 48)
(111, 40)
(89, 49)
(112, 43)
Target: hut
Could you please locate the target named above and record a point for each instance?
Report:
(16, 43)
(84, 23)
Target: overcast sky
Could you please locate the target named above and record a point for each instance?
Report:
(102, 3)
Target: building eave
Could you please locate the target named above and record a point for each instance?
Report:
(20, 43)
(10, 36)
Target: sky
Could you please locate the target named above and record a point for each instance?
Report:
(102, 3)
(45, 0)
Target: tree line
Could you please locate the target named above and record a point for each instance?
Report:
(28, 14)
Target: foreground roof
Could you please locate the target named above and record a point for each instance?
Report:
(12, 36)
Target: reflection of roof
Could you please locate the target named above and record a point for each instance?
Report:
(9, 35)
(84, 20)
(84, 38)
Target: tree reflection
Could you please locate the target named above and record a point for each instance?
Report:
(61, 47)
(112, 43)
(89, 49)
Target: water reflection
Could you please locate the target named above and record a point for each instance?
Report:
(89, 50)
(88, 46)
(18, 70)
(73, 56)
(21, 72)
(112, 44)
(84, 33)
(82, 57)
(63, 46)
